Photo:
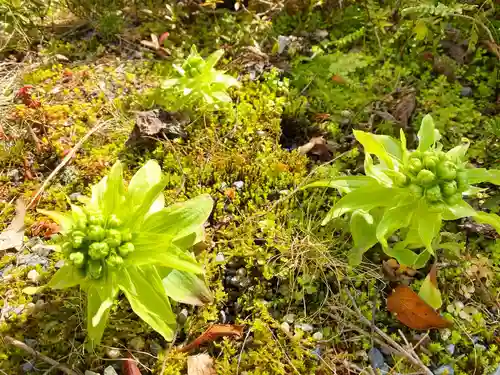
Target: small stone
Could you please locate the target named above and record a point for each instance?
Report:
(34, 276)
(450, 349)
(346, 113)
(113, 353)
(466, 91)
(14, 175)
(444, 370)
(137, 343)
(318, 336)
(305, 327)
(377, 360)
(260, 132)
(59, 264)
(42, 250)
(32, 260)
(27, 367)
(110, 371)
(238, 184)
(182, 316)
(74, 196)
(283, 42)
(234, 281)
(245, 282)
(241, 272)
(285, 327)
(289, 318)
(219, 258)
(87, 372)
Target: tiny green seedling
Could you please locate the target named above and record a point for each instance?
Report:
(409, 193)
(125, 240)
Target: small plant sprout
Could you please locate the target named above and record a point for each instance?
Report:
(408, 193)
(126, 240)
(198, 82)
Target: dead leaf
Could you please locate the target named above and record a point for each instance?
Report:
(155, 44)
(230, 193)
(404, 109)
(412, 311)
(212, 333)
(201, 364)
(12, 237)
(130, 366)
(433, 275)
(316, 146)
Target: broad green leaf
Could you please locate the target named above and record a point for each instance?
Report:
(458, 153)
(429, 224)
(186, 288)
(181, 219)
(226, 80)
(420, 30)
(430, 293)
(395, 218)
(363, 235)
(381, 146)
(65, 221)
(142, 181)
(404, 148)
(488, 218)
(365, 198)
(113, 195)
(66, 277)
(31, 290)
(158, 249)
(137, 216)
(477, 175)
(77, 213)
(97, 199)
(458, 211)
(100, 297)
(212, 60)
(344, 184)
(426, 134)
(408, 257)
(377, 171)
(144, 290)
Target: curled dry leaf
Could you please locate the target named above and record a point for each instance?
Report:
(12, 237)
(212, 333)
(412, 311)
(316, 146)
(201, 364)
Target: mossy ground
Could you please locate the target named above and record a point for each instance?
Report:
(268, 232)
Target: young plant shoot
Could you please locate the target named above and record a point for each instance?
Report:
(124, 239)
(408, 193)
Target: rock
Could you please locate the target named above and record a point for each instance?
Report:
(245, 282)
(34, 276)
(110, 371)
(318, 336)
(137, 343)
(27, 367)
(450, 349)
(444, 370)
(241, 272)
(289, 318)
(32, 260)
(74, 196)
(155, 348)
(113, 354)
(238, 184)
(59, 264)
(87, 372)
(285, 327)
(220, 258)
(14, 175)
(377, 360)
(42, 250)
(304, 327)
(466, 92)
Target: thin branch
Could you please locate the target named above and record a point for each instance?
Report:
(21, 345)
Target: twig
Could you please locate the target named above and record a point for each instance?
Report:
(34, 353)
(65, 161)
(413, 359)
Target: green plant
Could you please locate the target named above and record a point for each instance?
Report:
(126, 240)
(409, 193)
(198, 82)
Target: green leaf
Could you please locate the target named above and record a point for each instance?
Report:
(383, 146)
(429, 224)
(377, 171)
(408, 257)
(212, 60)
(430, 293)
(187, 288)
(365, 198)
(458, 153)
(420, 30)
(144, 290)
(181, 219)
(458, 211)
(77, 213)
(426, 134)
(137, 216)
(142, 181)
(488, 218)
(344, 184)
(478, 175)
(158, 249)
(65, 221)
(363, 234)
(100, 297)
(113, 195)
(395, 218)
(66, 277)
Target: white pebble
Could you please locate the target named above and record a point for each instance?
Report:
(34, 276)
(285, 327)
(318, 336)
(289, 318)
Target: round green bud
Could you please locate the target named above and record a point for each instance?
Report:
(126, 249)
(67, 247)
(449, 188)
(114, 260)
(425, 177)
(446, 170)
(81, 224)
(94, 269)
(433, 194)
(416, 190)
(96, 233)
(431, 161)
(441, 155)
(98, 250)
(453, 199)
(114, 221)
(126, 235)
(414, 165)
(398, 178)
(77, 258)
(416, 154)
(96, 219)
(77, 242)
(113, 237)
(78, 233)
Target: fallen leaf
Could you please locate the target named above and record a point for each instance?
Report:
(404, 109)
(230, 193)
(163, 37)
(316, 146)
(12, 237)
(212, 333)
(130, 367)
(429, 290)
(201, 364)
(414, 312)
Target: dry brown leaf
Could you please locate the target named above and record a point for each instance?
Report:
(412, 311)
(404, 109)
(313, 142)
(433, 275)
(130, 367)
(12, 237)
(212, 333)
(201, 364)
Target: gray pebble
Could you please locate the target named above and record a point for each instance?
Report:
(238, 184)
(220, 258)
(321, 34)
(14, 175)
(241, 272)
(32, 260)
(42, 250)
(289, 318)
(444, 370)
(113, 354)
(304, 327)
(377, 360)
(33, 276)
(74, 196)
(318, 336)
(285, 326)
(450, 348)
(110, 371)
(466, 91)
(245, 282)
